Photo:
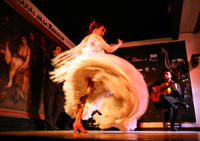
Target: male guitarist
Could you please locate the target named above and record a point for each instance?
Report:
(167, 94)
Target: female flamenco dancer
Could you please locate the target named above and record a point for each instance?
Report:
(95, 80)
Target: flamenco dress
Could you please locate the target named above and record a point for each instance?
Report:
(119, 92)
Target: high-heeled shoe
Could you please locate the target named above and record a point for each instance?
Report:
(78, 127)
(75, 128)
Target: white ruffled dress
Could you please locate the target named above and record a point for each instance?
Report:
(119, 93)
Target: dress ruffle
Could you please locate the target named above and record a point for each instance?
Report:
(120, 93)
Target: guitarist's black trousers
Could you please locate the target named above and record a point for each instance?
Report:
(171, 103)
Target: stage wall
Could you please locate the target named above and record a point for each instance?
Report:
(193, 47)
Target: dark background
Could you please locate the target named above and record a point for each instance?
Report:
(128, 20)
(150, 61)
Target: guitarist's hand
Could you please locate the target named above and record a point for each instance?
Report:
(154, 90)
(174, 86)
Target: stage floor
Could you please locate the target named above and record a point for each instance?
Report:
(102, 135)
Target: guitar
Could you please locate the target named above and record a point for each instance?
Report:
(161, 89)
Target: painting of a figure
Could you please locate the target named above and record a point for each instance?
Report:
(23, 51)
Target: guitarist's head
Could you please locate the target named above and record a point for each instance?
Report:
(167, 75)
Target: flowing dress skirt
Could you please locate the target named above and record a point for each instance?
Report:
(119, 93)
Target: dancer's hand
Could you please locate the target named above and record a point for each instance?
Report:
(119, 42)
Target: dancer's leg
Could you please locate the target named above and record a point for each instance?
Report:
(77, 125)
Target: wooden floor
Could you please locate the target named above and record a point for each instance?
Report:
(101, 135)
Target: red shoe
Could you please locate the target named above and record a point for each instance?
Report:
(78, 127)
(75, 127)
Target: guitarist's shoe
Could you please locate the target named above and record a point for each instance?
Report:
(175, 107)
(186, 106)
(174, 129)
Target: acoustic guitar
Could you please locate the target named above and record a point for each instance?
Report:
(161, 89)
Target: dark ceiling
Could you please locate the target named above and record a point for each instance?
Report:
(128, 20)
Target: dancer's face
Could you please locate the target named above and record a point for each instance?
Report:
(100, 31)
